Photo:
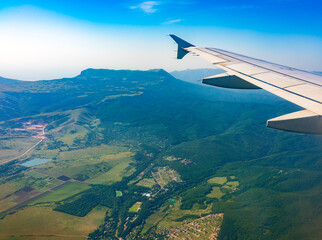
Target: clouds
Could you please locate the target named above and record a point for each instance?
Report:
(147, 7)
(172, 21)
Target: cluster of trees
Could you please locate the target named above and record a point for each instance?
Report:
(81, 205)
(195, 195)
(10, 169)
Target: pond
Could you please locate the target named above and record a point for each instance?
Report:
(35, 162)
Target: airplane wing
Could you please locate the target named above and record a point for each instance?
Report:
(242, 72)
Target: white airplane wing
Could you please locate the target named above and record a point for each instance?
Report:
(242, 72)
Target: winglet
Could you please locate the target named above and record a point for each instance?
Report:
(182, 44)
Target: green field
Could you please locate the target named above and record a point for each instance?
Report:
(10, 187)
(120, 167)
(28, 178)
(216, 193)
(136, 207)
(69, 138)
(99, 165)
(118, 193)
(175, 213)
(223, 186)
(43, 152)
(233, 184)
(154, 219)
(38, 181)
(10, 149)
(43, 221)
(169, 215)
(218, 180)
(62, 193)
(146, 182)
(7, 203)
(36, 175)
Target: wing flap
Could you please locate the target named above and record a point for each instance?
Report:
(225, 80)
(303, 121)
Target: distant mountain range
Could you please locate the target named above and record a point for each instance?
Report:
(195, 75)
(7, 81)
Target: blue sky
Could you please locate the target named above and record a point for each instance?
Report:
(52, 39)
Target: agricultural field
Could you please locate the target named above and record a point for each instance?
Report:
(69, 138)
(118, 194)
(136, 207)
(37, 180)
(8, 202)
(27, 186)
(42, 152)
(218, 180)
(147, 182)
(10, 187)
(97, 165)
(40, 221)
(232, 184)
(120, 167)
(170, 215)
(13, 148)
(42, 183)
(222, 186)
(216, 193)
(62, 193)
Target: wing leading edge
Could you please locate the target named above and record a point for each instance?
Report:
(299, 87)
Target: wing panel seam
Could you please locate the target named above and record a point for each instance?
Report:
(277, 86)
(263, 68)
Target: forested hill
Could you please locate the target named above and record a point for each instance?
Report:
(8, 81)
(24, 98)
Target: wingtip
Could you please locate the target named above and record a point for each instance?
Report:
(181, 43)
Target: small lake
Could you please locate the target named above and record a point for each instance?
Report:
(35, 162)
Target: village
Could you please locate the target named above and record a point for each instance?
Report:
(207, 227)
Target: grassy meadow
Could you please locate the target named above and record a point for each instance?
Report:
(41, 221)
